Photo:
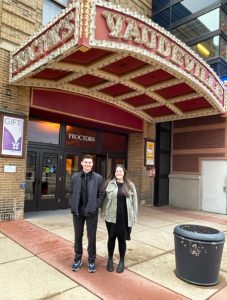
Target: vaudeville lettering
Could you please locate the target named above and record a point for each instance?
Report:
(128, 29)
(57, 35)
(80, 137)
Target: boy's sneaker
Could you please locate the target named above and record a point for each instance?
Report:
(77, 265)
(91, 267)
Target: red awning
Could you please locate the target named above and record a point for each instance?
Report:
(111, 55)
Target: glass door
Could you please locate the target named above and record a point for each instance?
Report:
(41, 192)
(48, 180)
(111, 164)
(31, 181)
(100, 166)
(72, 165)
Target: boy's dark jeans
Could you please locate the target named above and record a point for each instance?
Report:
(91, 223)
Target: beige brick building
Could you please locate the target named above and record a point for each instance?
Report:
(123, 76)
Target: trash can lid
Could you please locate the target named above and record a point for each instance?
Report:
(201, 233)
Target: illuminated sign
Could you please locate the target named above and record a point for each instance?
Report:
(135, 32)
(80, 137)
(72, 136)
(54, 37)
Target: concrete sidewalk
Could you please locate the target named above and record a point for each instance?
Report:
(36, 256)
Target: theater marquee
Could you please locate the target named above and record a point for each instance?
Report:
(113, 55)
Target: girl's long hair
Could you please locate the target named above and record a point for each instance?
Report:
(127, 184)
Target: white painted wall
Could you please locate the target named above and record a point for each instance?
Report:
(184, 191)
(214, 186)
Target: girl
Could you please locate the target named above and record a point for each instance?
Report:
(120, 210)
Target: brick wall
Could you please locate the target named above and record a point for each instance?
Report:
(143, 7)
(18, 20)
(137, 171)
(195, 139)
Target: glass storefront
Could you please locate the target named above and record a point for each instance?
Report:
(51, 8)
(209, 48)
(43, 132)
(223, 22)
(199, 24)
(187, 7)
(223, 50)
(197, 27)
(158, 5)
(163, 18)
(54, 154)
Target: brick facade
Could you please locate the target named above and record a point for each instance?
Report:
(141, 6)
(195, 139)
(137, 171)
(18, 20)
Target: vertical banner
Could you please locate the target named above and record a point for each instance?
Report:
(149, 148)
(12, 136)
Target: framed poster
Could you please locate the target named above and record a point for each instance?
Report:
(149, 147)
(12, 136)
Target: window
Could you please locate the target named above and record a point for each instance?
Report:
(224, 22)
(43, 132)
(223, 49)
(209, 48)
(224, 4)
(189, 7)
(221, 70)
(51, 9)
(158, 5)
(163, 19)
(204, 24)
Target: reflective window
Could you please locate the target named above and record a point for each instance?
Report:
(51, 9)
(223, 49)
(199, 26)
(158, 5)
(224, 3)
(72, 165)
(43, 132)
(188, 7)
(223, 22)
(163, 19)
(208, 49)
(30, 175)
(221, 70)
(63, 2)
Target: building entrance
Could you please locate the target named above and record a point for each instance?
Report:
(42, 179)
(49, 176)
(55, 152)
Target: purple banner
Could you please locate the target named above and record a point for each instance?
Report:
(12, 136)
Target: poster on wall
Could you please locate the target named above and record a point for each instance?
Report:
(149, 153)
(12, 136)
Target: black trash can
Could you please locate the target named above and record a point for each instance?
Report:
(198, 253)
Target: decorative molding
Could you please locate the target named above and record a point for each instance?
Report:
(124, 33)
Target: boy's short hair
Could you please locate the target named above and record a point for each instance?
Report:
(87, 156)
